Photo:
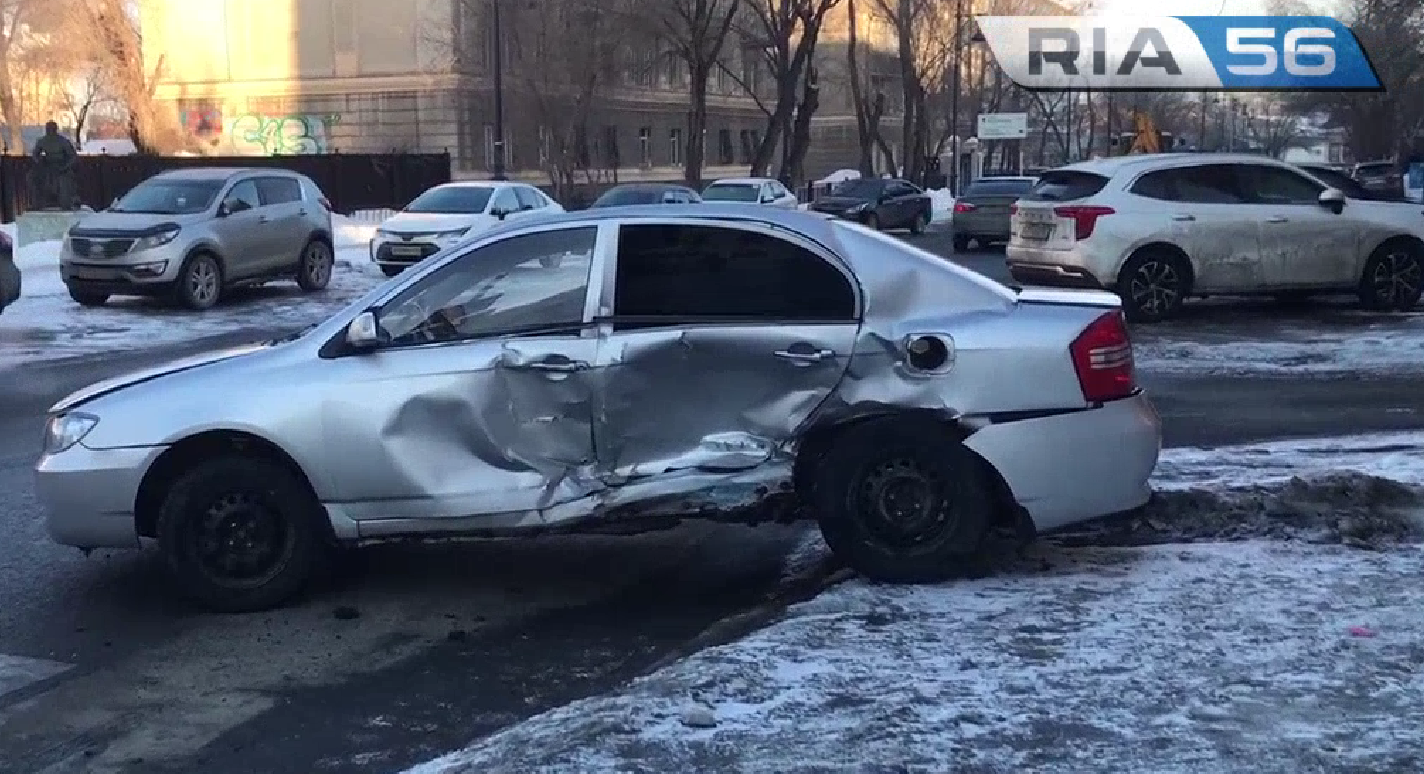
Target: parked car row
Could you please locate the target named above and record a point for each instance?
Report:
(1159, 229)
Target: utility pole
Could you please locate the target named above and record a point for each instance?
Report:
(1201, 135)
(498, 44)
(954, 95)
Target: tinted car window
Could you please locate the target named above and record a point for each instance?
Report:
(1156, 185)
(732, 193)
(688, 273)
(1339, 180)
(1065, 186)
(521, 285)
(861, 188)
(451, 199)
(1212, 184)
(901, 189)
(169, 197)
(279, 190)
(528, 197)
(999, 188)
(618, 197)
(1273, 185)
(243, 196)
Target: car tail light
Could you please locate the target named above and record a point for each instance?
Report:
(5, 241)
(1102, 356)
(1014, 208)
(964, 207)
(1085, 217)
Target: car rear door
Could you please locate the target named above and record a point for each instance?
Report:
(719, 342)
(1303, 244)
(1205, 211)
(286, 218)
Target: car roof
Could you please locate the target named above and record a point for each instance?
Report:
(477, 184)
(650, 187)
(1144, 161)
(814, 226)
(1005, 179)
(742, 181)
(220, 173)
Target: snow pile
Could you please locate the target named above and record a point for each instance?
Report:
(1253, 657)
(1347, 341)
(941, 204)
(352, 235)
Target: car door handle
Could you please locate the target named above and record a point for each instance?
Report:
(805, 358)
(554, 366)
(1184, 218)
(263, 219)
(1278, 219)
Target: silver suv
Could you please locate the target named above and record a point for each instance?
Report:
(189, 234)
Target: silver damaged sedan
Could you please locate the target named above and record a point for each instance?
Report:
(615, 370)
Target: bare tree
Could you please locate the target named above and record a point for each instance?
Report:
(924, 51)
(696, 31)
(786, 33)
(868, 102)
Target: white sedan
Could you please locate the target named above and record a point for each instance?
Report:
(447, 213)
(751, 190)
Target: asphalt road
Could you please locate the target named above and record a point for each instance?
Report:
(411, 650)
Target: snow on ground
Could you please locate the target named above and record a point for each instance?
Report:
(941, 204)
(1244, 654)
(46, 324)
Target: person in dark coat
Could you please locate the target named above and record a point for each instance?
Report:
(52, 178)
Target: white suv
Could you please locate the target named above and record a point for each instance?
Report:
(1160, 228)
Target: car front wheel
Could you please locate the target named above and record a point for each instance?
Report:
(314, 270)
(903, 501)
(1393, 279)
(240, 534)
(919, 224)
(200, 282)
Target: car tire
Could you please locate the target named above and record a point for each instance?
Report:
(871, 220)
(240, 534)
(391, 271)
(1153, 284)
(961, 244)
(88, 298)
(316, 266)
(919, 224)
(200, 282)
(1393, 279)
(867, 486)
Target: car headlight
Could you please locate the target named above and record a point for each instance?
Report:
(157, 240)
(862, 207)
(66, 430)
(456, 234)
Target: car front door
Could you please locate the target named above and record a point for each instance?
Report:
(286, 215)
(1303, 244)
(1207, 214)
(719, 342)
(481, 401)
(246, 243)
(900, 208)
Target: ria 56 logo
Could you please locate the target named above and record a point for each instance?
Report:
(1179, 53)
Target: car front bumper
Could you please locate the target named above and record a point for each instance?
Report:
(1077, 466)
(89, 494)
(145, 272)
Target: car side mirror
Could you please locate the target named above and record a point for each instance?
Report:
(499, 214)
(364, 332)
(767, 199)
(1333, 199)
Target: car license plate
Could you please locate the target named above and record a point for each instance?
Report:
(406, 250)
(1036, 231)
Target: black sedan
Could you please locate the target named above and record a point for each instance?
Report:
(878, 203)
(9, 273)
(646, 193)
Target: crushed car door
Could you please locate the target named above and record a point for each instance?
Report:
(720, 341)
(480, 402)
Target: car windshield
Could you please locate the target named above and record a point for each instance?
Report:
(622, 196)
(451, 200)
(731, 192)
(858, 188)
(169, 197)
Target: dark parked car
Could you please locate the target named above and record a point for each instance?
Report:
(9, 272)
(647, 193)
(878, 204)
(1349, 186)
(982, 214)
(1381, 177)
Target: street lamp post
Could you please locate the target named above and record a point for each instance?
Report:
(954, 95)
(498, 90)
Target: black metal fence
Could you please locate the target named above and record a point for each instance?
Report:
(352, 181)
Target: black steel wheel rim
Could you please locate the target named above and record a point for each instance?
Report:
(903, 504)
(1155, 287)
(1396, 278)
(240, 541)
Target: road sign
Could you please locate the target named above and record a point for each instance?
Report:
(1003, 126)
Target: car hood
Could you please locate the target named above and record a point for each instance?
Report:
(434, 223)
(109, 386)
(137, 223)
(838, 202)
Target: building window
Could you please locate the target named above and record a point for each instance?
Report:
(645, 146)
(724, 147)
(751, 70)
(610, 147)
(748, 147)
(675, 145)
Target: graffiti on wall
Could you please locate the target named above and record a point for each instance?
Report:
(256, 133)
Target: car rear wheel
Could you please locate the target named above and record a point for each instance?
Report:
(240, 534)
(314, 270)
(903, 501)
(961, 244)
(200, 282)
(920, 223)
(1393, 279)
(1153, 284)
(85, 298)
